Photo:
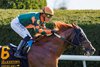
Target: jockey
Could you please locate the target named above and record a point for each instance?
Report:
(34, 20)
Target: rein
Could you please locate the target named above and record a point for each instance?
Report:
(60, 37)
(76, 40)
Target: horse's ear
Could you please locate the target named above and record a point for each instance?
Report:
(74, 25)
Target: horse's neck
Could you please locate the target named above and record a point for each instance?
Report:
(58, 44)
(68, 35)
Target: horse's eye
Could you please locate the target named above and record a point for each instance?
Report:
(81, 35)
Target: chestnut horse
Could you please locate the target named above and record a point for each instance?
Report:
(46, 51)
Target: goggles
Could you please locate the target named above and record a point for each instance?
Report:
(48, 15)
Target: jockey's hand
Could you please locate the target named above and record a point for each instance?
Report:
(53, 31)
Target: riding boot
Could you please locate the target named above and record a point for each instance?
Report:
(20, 47)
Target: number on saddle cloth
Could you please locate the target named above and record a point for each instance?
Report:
(13, 48)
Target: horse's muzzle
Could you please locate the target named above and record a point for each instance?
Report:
(89, 52)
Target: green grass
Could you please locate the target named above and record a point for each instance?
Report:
(78, 16)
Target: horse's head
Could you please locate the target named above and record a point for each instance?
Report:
(75, 36)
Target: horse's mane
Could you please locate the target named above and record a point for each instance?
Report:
(59, 25)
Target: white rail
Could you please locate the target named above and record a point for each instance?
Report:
(80, 58)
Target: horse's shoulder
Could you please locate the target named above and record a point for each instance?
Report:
(41, 39)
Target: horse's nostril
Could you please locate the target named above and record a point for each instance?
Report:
(94, 50)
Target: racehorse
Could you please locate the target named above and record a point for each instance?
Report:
(46, 51)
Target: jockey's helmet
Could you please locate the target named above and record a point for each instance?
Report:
(48, 10)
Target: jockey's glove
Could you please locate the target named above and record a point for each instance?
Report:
(53, 31)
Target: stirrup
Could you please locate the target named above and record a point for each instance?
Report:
(19, 56)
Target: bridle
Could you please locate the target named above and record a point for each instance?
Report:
(76, 39)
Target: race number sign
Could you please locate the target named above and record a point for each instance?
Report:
(7, 58)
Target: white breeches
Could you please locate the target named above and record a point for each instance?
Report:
(19, 28)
